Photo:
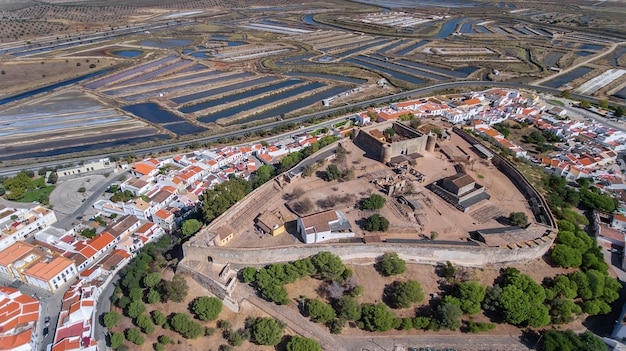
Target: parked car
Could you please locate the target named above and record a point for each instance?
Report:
(45, 332)
(47, 320)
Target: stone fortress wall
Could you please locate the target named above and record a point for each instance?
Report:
(463, 254)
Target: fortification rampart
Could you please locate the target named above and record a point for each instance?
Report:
(432, 253)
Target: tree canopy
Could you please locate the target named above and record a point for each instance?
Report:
(266, 331)
(376, 223)
(176, 289)
(191, 227)
(207, 308)
(299, 343)
(392, 264)
(404, 294)
(374, 202)
(376, 317)
(185, 326)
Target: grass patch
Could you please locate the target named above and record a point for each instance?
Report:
(41, 195)
(556, 102)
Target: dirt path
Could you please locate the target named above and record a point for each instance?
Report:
(293, 320)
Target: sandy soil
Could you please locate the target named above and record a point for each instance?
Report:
(374, 284)
(436, 215)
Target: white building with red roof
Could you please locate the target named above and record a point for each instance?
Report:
(18, 319)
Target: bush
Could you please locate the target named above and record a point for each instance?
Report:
(477, 327)
(348, 308)
(518, 218)
(164, 339)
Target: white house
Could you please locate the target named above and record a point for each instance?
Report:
(324, 226)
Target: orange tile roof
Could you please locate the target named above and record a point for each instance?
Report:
(46, 271)
(101, 241)
(619, 217)
(473, 101)
(163, 214)
(121, 252)
(14, 252)
(143, 168)
(67, 344)
(88, 252)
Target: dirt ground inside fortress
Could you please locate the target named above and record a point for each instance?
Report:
(435, 215)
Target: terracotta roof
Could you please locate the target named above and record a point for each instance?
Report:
(163, 214)
(14, 252)
(224, 231)
(320, 221)
(101, 241)
(47, 270)
(143, 168)
(16, 310)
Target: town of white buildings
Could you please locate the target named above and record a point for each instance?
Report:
(165, 190)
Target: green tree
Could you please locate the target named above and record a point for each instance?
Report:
(153, 296)
(392, 264)
(182, 324)
(158, 317)
(376, 317)
(554, 340)
(566, 256)
(136, 294)
(348, 308)
(319, 311)
(176, 290)
(152, 279)
(328, 265)
(267, 331)
(619, 111)
(191, 227)
(404, 294)
(518, 218)
(376, 222)
(332, 172)
(247, 274)
(136, 308)
(117, 339)
(471, 296)
(145, 324)
(111, 319)
(374, 202)
(447, 316)
(299, 343)
(207, 308)
(134, 335)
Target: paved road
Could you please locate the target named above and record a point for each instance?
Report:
(103, 306)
